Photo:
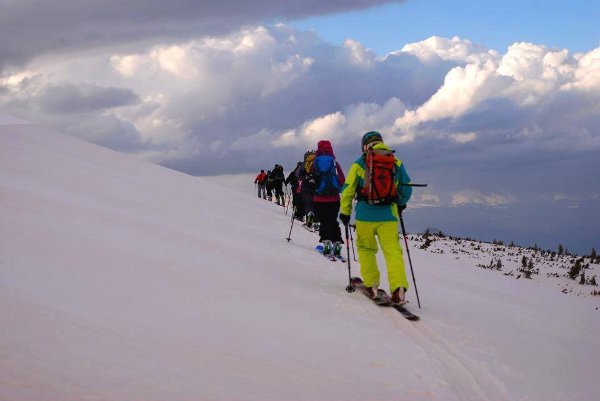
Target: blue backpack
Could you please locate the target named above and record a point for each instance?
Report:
(328, 183)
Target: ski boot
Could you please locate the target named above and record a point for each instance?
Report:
(309, 219)
(398, 296)
(337, 248)
(327, 247)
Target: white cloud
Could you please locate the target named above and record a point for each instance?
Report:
(561, 197)
(264, 87)
(463, 88)
(455, 49)
(127, 65)
(537, 72)
(464, 137)
(326, 126)
(359, 54)
(463, 198)
(176, 60)
(344, 127)
(425, 201)
(587, 74)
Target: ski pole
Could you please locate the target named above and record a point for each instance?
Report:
(413, 185)
(409, 260)
(352, 240)
(289, 237)
(349, 288)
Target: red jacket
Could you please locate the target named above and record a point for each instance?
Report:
(261, 178)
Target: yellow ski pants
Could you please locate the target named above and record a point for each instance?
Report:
(387, 232)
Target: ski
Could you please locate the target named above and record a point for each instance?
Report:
(402, 309)
(383, 299)
(310, 229)
(406, 313)
(334, 258)
(337, 257)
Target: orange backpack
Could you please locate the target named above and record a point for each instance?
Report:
(380, 169)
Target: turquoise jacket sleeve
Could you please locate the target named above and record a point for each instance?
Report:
(404, 191)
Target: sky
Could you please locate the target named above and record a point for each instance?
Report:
(124, 280)
(495, 106)
(496, 24)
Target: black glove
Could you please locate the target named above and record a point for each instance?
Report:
(345, 219)
(401, 208)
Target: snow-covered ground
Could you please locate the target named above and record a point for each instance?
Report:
(123, 280)
(545, 267)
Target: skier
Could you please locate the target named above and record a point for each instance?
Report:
(292, 180)
(377, 214)
(270, 183)
(307, 189)
(326, 200)
(278, 180)
(261, 181)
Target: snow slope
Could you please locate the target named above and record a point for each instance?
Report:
(123, 280)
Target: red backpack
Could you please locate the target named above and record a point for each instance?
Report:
(380, 169)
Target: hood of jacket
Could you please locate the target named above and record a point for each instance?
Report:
(324, 148)
(381, 145)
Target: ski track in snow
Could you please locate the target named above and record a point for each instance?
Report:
(469, 379)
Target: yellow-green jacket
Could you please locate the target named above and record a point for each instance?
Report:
(364, 211)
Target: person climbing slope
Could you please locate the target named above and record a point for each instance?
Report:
(307, 190)
(270, 185)
(261, 181)
(376, 180)
(278, 180)
(326, 199)
(297, 204)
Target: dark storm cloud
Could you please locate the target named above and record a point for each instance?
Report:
(323, 90)
(419, 80)
(70, 98)
(492, 113)
(32, 27)
(111, 132)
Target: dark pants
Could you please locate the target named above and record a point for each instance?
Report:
(307, 201)
(327, 213)
(278, 187)
(298, 205)
(261, 191)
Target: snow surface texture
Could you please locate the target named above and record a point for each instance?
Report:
(547, 267)
(123, 280)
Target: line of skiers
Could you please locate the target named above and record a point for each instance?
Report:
(379, 187)
(270, 183)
